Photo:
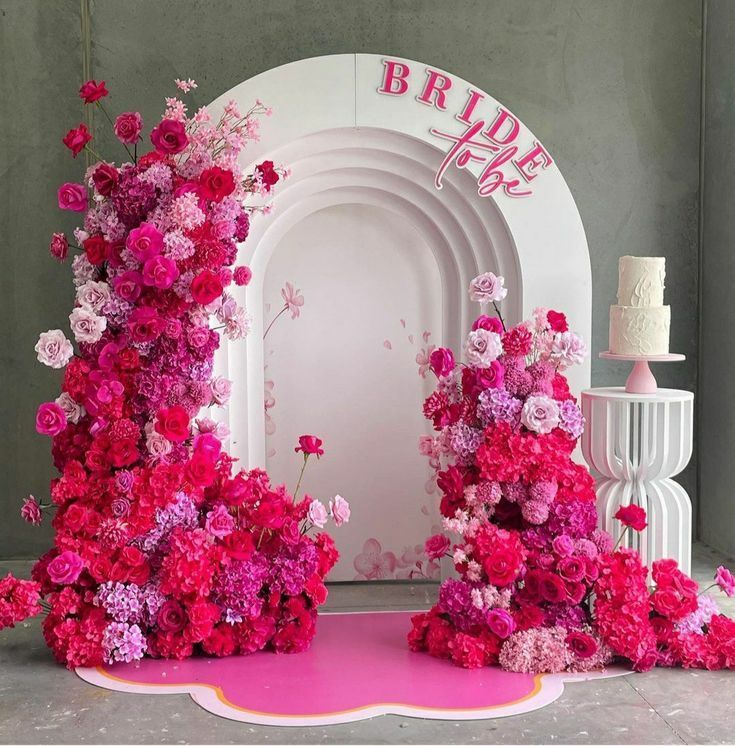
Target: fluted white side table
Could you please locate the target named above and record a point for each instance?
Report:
(636, 443)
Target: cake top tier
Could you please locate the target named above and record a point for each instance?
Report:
(641, 281)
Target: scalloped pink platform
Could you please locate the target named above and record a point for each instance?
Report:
(358, 667)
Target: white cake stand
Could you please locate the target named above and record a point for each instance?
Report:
(641, 380)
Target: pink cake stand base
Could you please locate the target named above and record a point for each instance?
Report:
(641, 379)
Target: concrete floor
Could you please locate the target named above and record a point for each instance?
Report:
(40, 702)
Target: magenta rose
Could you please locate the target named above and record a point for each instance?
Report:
(59, 246)
(441, 361)
(219, 522)
(436, 546)
(31, 511)
(489, 323)
(582, 644)
(92, 91)
(310, 445)
(128, 126)
(171, 617)
(65, 568)
(72, 197)
(76, 139)
(50, 419)
(105, 177)
(725, 580)
(572, 568)
(160, 271)
(169, 137)
(128, 285)
(491, 377)
(501, 623)
(145, 242)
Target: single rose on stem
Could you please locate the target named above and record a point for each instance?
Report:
(92, 91)
(76, 139)
(632, 517)
(339, 508)
(309, 445)
(31, 511)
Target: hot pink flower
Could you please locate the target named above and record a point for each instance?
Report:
(145, 242)
(76, 139)
(72, 197)
(242, 275)
(31, 511)
(128, 127)
(92, 91)
(220, 522)
(724, 578)
(65, 568)
(436, 546)
(632, 516)
(128, 285)
(50, 419)
(160, 272)
(582, 644)
(310, 444)
(59, 246)
(441, 361)
(169, 137)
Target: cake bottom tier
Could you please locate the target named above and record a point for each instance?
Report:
(639, 331)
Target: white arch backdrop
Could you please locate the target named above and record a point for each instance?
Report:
(423, 173)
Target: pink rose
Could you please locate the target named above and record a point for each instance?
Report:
(50, 419)
(198, 336)
(128, 285)
(436, 546)
(145, 241)
(65, 568)
(208, 444)
(144, 324)
(54, 349)
(540, 414)
(242, 275)
(490, 323)
(219, 522)
(491, 377)
(92, 91)
(128, 126)
(724, 578)
(632, 516)
(310, 445)
(482, 347)
(317, 514)
(171, 617)
(340, 510)
(31, 511)
(487, 288)
(72, 197)
(169, 137)
(501, 623)
(59, 246)
(582, 644)
(221, 389)
(441, 361)
(160, 272)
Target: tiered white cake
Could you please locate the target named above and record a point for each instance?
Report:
(639, 324)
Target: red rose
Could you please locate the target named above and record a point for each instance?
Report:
(268, 175)
(173, 423)
(169, 137)
(95, 247)
(76, 139)
(171, 617)
(123, 452)
(144, 324)
(437, 546)
(310, 444)
(557, 321)
(552, 588)
(200, 469)
(502, 566)
(128, 126)
(582, 644)
(633, 516)
(92, 91)
(206, 287)
(105, 177)
(216, 183)
(441, 361)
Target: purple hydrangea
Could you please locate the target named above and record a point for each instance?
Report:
(571, 419)
(124, 603)
(123, 642)
(293, 565)
(497, 405)
(706, 609)
(237, 588)
(465, 440)
(455, 599)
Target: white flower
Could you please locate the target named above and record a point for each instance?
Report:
(487, 288)
(540, 414)
(482, 347)
(72, 409)
(318, 514)
(87, 326)
(93, 295)
(54, 349)
(239, 325)
(568, 349)
(340, 510)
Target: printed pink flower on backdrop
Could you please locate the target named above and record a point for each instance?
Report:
(293, 299)
(374, 564)
(423, 360)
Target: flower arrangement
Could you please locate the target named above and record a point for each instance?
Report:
(540, 588)
(163, 546)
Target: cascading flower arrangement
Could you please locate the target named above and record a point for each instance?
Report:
(163, 546)
(540, 588)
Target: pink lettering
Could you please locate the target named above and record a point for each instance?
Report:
(504, 118)
(465, 116)
(434, 93)
(537, 159)
(493, 178)
(395, 81)
(461, 150)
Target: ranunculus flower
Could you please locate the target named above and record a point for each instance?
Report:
(220, 522)
(50, 419)
(216, 183)
(633, 516)
(169, 137)
(65, 568)
(160, 271)
(95, 247)
(501, 623)
(242, 275)
(436, 546)
(310, 444)
(173, 423)
(441, 361)
(54, 349)
(540, 414)
(206, 287)
(144, 324)
(58, 246)
(482, 347)
(145, 242)
(87, 326)
(340, 510)
(31, 511)
(581, 644)
(128, 285)
(76, 139)
(725, 580)
(105, 177)
(487, 288)
(171, 617)
(92, 91)
(557, 321)
(490, 323)
(72, 197)
(268, 174)
(317, 514)
(128, 126)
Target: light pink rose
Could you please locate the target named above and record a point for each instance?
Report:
(87, 326)
(340, 510)
(50, 419)
(221, 390)
(54, 349)
(93, 295)
(540, 414)
(487, 288)
(318, 514)
(156, 444)
(219, 522)
(66, 568)
(72, 409)
(482, 348)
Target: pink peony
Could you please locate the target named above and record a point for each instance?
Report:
(72, 197)
(487, 288)
(50, 419)
(340, 510)
(65, 568)
(54, 349)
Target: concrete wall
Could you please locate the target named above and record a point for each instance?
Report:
(611, 87)
(717, 403)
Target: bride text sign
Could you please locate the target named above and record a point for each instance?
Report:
(492, 139)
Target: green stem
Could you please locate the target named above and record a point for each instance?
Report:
(620, 538)
(497, 310)
(301, 475)
(112, 124)
(94, 153)
(706, 589)
(283, 310)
